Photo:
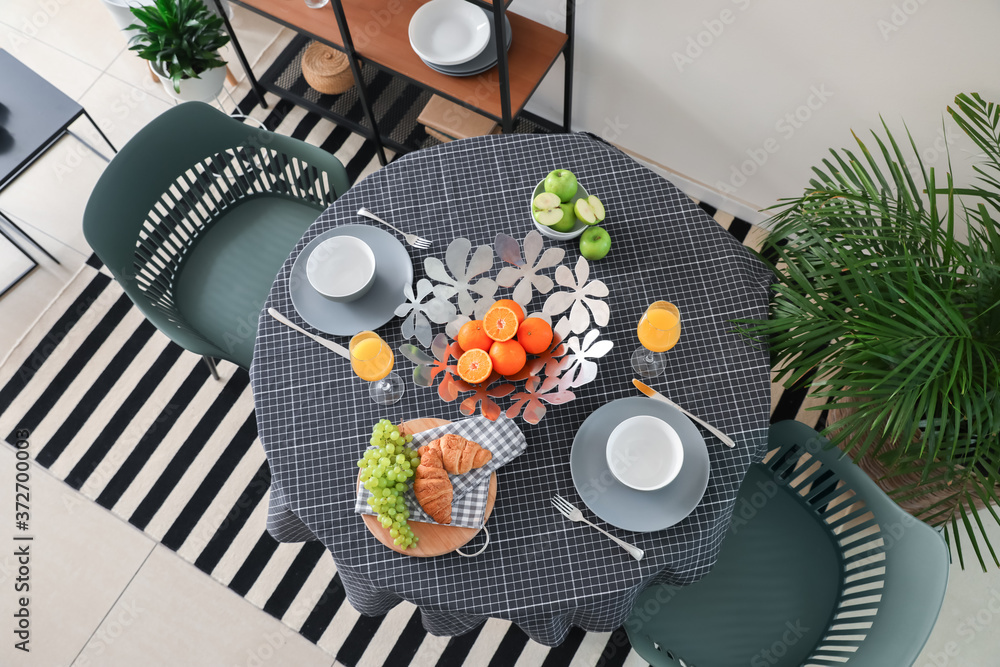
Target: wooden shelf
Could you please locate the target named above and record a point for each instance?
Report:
(379, 29)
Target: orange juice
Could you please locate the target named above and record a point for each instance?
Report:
(659, 329)
(371, 358)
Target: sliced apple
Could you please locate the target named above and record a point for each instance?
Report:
(598, 207)
(545, 201)
(590, 210)
(546, 209)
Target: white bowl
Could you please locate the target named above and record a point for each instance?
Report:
(645, 453)
(341, 268)
(449, 32)
(581, 193)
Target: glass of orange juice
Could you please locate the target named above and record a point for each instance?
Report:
(372, 360)
(658, 330)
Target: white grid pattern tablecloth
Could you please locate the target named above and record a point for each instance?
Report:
(540, 571)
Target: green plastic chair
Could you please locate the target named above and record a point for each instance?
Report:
(195, 216)
(819, 567)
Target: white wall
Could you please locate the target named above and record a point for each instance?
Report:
(705, 87)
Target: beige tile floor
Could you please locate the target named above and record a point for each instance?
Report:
(105, 594)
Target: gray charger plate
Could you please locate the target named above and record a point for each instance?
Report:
(484, 61)
(620, 505)
(393, 271)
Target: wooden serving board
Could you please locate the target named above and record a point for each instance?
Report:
(435, 539)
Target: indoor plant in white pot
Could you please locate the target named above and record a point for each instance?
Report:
(181, 40)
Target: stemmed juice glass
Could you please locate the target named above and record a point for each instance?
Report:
(372, 360)
(659, 330)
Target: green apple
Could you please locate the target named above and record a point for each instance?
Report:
(568, 221)
(590, 210)
(546, 209)
(595, 242)
(561, 183)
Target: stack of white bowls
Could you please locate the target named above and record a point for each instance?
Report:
(455, 37)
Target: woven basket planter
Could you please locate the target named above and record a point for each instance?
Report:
(916, 505)
(326, 69)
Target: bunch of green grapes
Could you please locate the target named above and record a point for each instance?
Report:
(387, 470)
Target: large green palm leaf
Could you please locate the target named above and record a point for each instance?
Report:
(880, 308)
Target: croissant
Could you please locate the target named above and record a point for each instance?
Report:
(432, 487)
(458, 454)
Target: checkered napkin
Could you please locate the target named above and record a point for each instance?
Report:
(471, 490)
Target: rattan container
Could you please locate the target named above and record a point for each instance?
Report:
(326, 69)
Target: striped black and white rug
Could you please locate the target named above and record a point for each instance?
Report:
(138, 425)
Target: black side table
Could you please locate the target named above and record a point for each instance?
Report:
(34, 114)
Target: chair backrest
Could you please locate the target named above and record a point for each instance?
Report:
(894, 568)
(177, 176)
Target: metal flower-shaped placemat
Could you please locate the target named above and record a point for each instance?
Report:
(462, 292)
(580, 297)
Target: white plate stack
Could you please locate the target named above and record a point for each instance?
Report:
(455, 37)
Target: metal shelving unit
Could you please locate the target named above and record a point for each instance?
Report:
(386, 61)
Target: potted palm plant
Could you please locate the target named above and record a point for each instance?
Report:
(887, 305)
(181, 40)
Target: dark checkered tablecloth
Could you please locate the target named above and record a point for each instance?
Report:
(540, 571)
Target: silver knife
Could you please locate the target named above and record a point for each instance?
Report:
(652, 393)
(339, 349)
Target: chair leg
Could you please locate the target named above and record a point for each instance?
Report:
(211, 366)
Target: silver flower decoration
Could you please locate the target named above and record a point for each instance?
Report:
(535, 391)
(416, 323)
(428, 367)
(524, 272)
(579, 369)
(459, 281)
(580, 297)
(462, 272)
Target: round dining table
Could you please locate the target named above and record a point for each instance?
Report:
(539, 570)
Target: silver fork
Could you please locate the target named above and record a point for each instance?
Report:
(412, 239)
(570, 511)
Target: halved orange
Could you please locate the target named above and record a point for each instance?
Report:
(508, 357)
(474, 366)
(473, 336)
(535, 335)
(513, 305)
(500, 323)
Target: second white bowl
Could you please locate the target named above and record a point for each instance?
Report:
(341, 268)
(645, 453)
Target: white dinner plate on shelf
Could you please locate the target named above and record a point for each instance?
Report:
(393, 271)
(482, 62)
(449, 32)
(620, 505)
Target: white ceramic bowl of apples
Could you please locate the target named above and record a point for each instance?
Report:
(561, 207)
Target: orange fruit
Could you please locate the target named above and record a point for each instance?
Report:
(472, 336)
(535, 335)
(474, 366)
(500, 323)
(513, 305)
(508, 357)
